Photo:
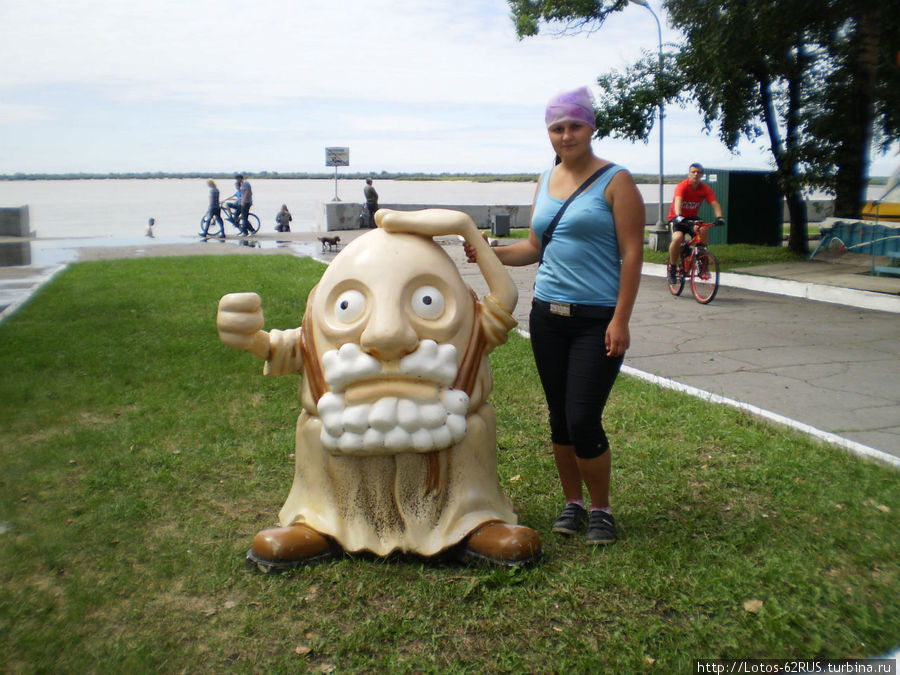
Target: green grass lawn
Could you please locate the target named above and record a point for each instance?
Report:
(138, 456)
(732, 257)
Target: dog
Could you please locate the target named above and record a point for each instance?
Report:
(330, 243)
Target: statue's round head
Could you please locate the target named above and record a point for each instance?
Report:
(390, 321)
(387, 292)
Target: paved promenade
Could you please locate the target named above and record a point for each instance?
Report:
(812, 345)
(830, 366)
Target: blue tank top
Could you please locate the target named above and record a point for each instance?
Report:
(581, 263)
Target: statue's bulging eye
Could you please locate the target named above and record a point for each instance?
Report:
(428, 302)
(349, 306)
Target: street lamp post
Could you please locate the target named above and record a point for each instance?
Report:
(659, 238)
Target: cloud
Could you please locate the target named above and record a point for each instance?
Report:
(24, 114)
(266, 85)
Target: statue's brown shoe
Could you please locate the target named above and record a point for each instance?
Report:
(502, 544)
(283, 548)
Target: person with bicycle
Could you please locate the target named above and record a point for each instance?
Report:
(233, 204)
(689, 197)
(584, 293)
(215, 208)
(243, 200)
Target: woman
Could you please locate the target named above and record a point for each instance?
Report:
(584, 293)
(215, 209)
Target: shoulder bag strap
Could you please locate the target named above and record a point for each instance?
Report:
(548, 233)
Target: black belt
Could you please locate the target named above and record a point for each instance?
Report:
(571, 309)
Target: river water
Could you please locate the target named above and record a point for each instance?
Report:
(122, 207)
(115, 212)
(68, 215)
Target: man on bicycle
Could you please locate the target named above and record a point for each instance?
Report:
(689, 196)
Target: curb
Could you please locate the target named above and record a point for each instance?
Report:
(824, 436)
(38, 282)
(836, 295)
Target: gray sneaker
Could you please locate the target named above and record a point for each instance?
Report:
(601, 529)
(571, 520)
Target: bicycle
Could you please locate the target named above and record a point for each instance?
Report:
(228, 214)
(698, 264)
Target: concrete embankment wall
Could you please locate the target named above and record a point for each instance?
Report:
(15, 248)
(14, 221)
(346, 215)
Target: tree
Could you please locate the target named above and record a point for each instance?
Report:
(575, 14)
(859, 101)
(753, 68)
(750, 76)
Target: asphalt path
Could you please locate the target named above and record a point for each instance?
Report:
(833, 367)
(830, 370)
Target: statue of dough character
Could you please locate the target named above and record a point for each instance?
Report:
(396, 443)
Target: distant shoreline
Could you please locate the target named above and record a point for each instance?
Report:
(646, 179)
(276, 175)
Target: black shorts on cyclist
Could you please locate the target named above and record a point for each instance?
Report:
(686, 225)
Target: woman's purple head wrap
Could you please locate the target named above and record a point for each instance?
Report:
(571, 106)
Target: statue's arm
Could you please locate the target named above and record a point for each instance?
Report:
(240, 322)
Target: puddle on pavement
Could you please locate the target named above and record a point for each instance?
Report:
(46, 252)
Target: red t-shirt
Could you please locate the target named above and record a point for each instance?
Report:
(691, 199)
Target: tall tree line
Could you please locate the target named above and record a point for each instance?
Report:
(819, 81)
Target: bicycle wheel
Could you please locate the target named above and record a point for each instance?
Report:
(678, 286)
(205, 224)
(253, 222)
(705, 277)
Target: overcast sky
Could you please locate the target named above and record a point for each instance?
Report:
(267, 85)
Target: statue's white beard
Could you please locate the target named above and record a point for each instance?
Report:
(419, 413)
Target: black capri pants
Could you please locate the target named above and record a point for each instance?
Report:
(576, 373)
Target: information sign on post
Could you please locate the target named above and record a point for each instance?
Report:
(337, 157)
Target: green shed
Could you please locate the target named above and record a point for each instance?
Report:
(751, 203)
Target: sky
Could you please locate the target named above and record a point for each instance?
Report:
(267, 85)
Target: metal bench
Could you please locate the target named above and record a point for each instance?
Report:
(893, 269)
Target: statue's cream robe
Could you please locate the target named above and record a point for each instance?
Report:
(409, 502)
